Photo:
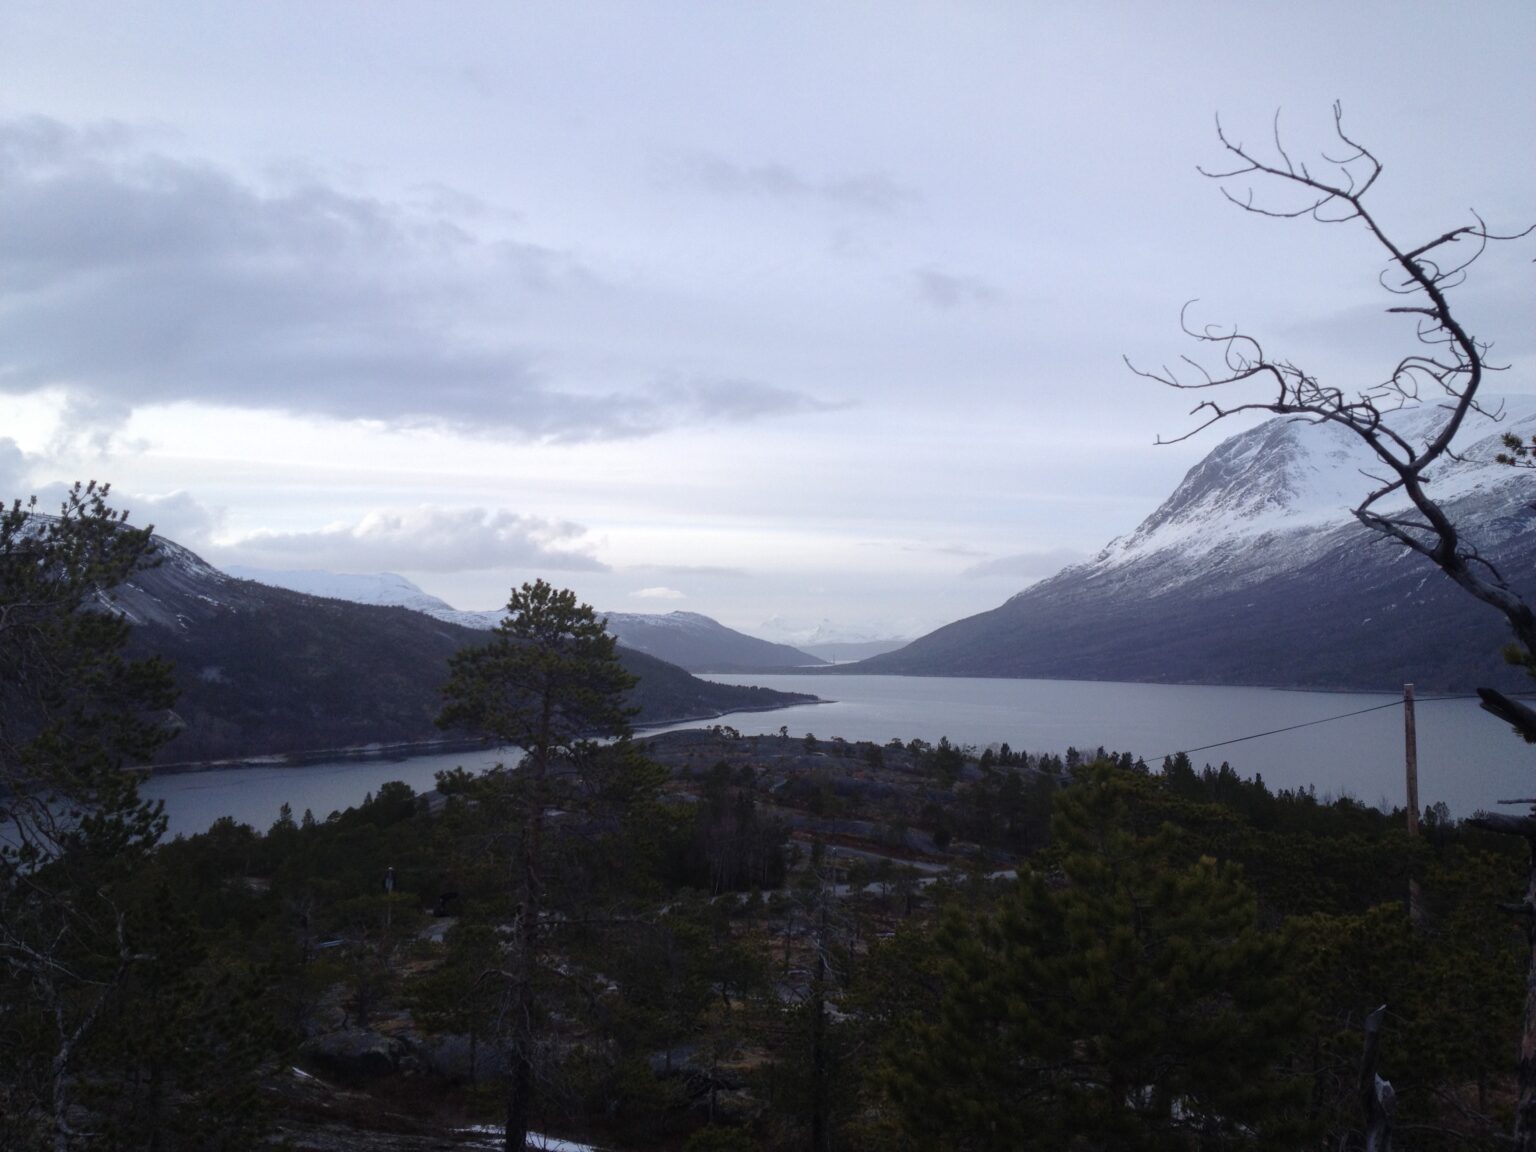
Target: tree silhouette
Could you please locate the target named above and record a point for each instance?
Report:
(74, 715)
(548, 683)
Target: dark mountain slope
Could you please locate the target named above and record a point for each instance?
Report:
(701, 644)
(688, 639)
(266, 670)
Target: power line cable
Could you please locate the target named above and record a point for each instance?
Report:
(1288, 728)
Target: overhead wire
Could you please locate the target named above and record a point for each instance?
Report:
(1304, 724)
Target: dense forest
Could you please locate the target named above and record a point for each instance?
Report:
(809, 943)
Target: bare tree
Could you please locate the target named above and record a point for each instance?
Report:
(1445, 370)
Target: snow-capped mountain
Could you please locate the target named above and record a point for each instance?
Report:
(805, 635)
(843, 653)
(1255, 571)
(1263, 500)
(690, 640)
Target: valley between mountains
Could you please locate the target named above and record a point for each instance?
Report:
(1252, 572)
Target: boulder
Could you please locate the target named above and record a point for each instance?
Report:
(357, 1056)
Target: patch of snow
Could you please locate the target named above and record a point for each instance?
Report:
(798, 633)
(535, 1139)
(387, 589)
(1275, 497)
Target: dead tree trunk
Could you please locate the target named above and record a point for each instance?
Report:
(519, 1084)
(820, 1132)
(1377, 1100)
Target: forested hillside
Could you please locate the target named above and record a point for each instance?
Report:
(755, 939)
(263, 670)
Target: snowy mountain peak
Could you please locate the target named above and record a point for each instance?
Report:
(379, 588)
(694, 621)
(1283, 470)
(801, 633)
(1254, 571)
(1288, 475)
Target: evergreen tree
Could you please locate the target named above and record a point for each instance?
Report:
(1128, 1002)
(74, 714)
(548, 683)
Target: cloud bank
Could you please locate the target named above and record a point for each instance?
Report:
(657, 593)
(129, 278)
(865, 191)
(425, 539)
(946, 290)
(1028, 565)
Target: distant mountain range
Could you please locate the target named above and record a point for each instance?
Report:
(692, 641)
(700, 644)
(837, 652)
(1254, 572)
(266, 670)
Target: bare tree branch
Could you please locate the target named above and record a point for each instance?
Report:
(1447, 377)
(1452, 373)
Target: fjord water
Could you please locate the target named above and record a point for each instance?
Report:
(1466, 757)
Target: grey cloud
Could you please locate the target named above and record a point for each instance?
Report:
(689, 570)
(658, 593)
(13, 472)
(1028, 565)
(701, 400)
(943, 549)
(176, 516)
(1492, 305)
(129, 279)
(424, 540)
(947, 290)
(735, 401)
(869, 191)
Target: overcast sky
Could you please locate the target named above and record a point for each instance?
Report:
(775, 312)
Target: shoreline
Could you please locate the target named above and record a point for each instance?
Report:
(409, 749)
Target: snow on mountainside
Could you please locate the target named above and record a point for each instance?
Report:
(824, 632)
(1254, 571)
(182, 581)
(1263, 500)
(383, 588)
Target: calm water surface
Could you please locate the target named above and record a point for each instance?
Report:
(1466, 758)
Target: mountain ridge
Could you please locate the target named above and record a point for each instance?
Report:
(691, 640)
(1254, 571)
(265, 670)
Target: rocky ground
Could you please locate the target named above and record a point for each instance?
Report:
(854, 809)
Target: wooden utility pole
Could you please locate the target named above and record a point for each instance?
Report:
(1411, 753)
(1411, 764)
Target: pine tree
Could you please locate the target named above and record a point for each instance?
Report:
(74, 715)
(1129, 1000)
(548, 683)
